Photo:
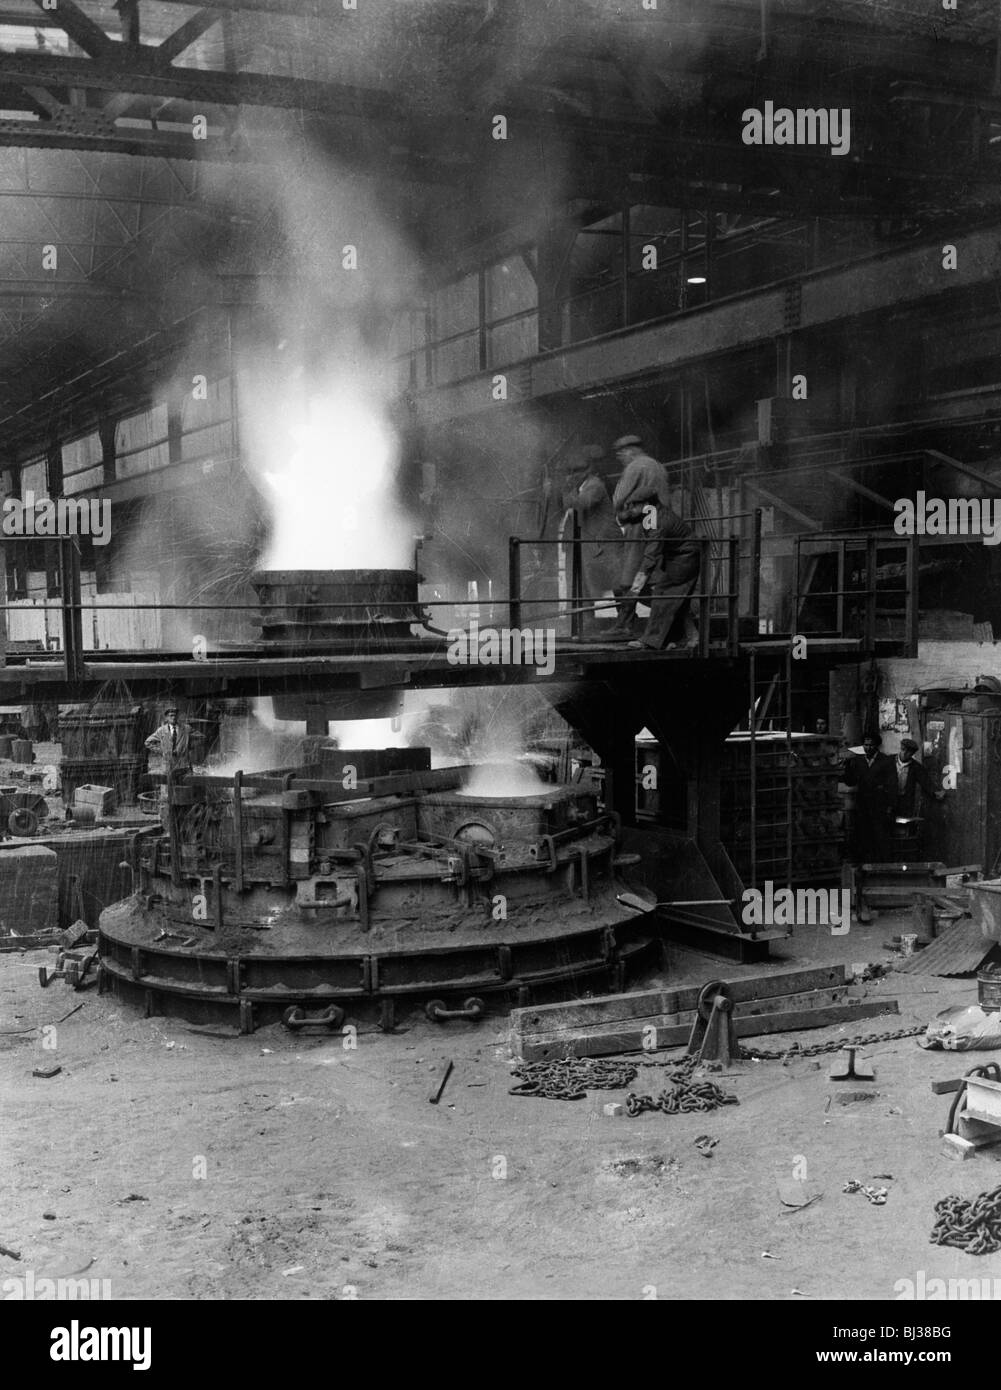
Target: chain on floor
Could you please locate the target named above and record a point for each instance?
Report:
(973, 1226)
(572, 1077)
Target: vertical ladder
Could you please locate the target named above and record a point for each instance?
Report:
(771, 767)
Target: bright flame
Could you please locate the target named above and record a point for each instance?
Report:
(329, 464)
(504, 779)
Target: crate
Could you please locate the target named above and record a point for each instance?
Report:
(103, 799)
(121, 775)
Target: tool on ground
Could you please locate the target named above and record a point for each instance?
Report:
(436, 1094)
(71, 966)
(713, 1038)
(851, 1067)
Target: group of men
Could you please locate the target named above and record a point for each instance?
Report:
(635, 545)
(886, 789)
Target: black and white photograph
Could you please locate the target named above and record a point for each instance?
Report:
(500, 694)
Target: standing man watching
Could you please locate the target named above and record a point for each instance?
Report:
(643, 479)
(912, 777)
(589, 498)
(872, 775)
(172, 743)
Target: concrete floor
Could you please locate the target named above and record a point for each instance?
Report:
(179, 1165)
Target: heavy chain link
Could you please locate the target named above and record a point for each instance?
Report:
(572, 1077)
(973, 1226)
(684, 1096)
(760, 1054)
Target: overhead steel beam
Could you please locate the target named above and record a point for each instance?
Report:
(79, 26)
(189, 32)
(124, 71)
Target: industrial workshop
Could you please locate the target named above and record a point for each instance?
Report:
(500, 695)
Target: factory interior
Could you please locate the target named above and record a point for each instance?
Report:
(500, 741)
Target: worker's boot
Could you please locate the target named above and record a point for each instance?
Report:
(626, 624)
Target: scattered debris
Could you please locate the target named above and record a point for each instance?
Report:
(855, 1097)
(48, 1216)
(705, 1143)
(11, 1254)
(46, 1072)
(767, 1255)
(876, 1195)
(614, 1109)
(296, 1269)
(133, 1197)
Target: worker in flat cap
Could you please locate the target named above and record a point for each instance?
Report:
(641, 488)
(912, 777)
(588, 496)
(171, 742)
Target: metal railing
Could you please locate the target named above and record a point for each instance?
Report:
(873, 597)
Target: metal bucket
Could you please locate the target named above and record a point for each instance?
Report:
(985, 906)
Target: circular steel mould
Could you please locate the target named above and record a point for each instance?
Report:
(321, 607)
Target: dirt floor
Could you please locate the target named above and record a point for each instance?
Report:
(178, 1165)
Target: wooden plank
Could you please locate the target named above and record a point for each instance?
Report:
(545, 1018)
(605, 1044)
(751, 1008)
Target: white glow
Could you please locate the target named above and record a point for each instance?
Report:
(328, 460)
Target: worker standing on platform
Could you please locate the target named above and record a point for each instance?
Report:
(643, 479)
(172, 743)
(669, 571)
(588, 496)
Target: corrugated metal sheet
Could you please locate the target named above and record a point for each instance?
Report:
(958, 951)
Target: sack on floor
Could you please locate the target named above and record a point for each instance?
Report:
(963, 1028)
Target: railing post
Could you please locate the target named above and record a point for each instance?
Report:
(514, 582)
(733, 597)
(576, 578)
(794, 624)
(704, 597)
(756, 570)
(72, 609)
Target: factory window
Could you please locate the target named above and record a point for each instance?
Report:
(141, 442)
(511, 301)
(456, 329)
(82, 463)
